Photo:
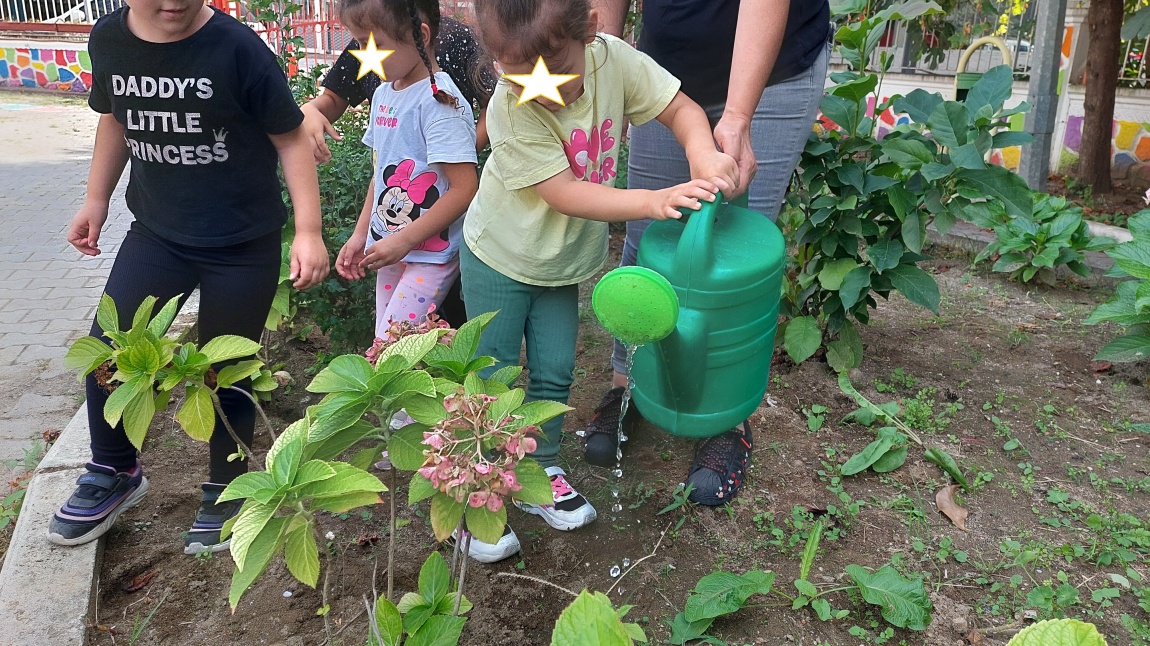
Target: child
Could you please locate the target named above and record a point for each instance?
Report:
(199, 104)
(423, 140)
(538, 226)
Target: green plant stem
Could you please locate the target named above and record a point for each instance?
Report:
(244, 448)
(391, 537)
(372, 627)
(326, 582)
(462, 572)
(259, 409)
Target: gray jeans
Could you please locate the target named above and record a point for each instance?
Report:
(779, 131)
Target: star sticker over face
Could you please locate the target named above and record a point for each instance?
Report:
(371, 59)
(540, 82)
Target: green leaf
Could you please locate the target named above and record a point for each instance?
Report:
(262, 548)
(412, 348)
(843, 112)
(538, 412)
(143, 313)
(106, 315)
(228, 346)
(685, 632)
(1059, 632)
(438, 630)
(486, 525)
(313, 471)
(445, 515)
(868, 456)
(590, 620)
(507, 374)
(346, 373)
(122, 396)
(505, 404)
(947, 463)
(138, 416)
(250, 522)
(857, 89)
(302, 555)
(806, 588)
(949, 124)
(907, 153)
(336, 412)
(918, 286)
(855, 285)
(904, 602)
(234, 373)
(635, 632)
(1125, 348)
(447, 604)
(87, 354)
(425, 410)
(885, 255)
(347, 479)
(417, 615)
(846, 352)
(992, 89)
(161, 322)
(247, 485)
(721, 593)
(802, 338)
(346, 502)
(967, 156)
(419, 488)
(1004, 186)
(890, 460)
(832, 275)
(1009, 138)
(918, 105)
(411, 601)
(822, 608)
(935, 171)
(810, 550)
(913, 231)
(415, 382)
(535, 482)
(388, 622)
(434, 579)
(465, 343)
(405, 447)
(1133, 258)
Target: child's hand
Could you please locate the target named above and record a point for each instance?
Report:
(84, 230)
(667, 202)
(719, 168)
(315, 125)
(347, 262)
(385, 252)
(309, 263)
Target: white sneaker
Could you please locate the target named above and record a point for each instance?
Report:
(507, 546)
(570, 511)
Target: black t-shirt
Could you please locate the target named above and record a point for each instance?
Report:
(198, 113)
(455, 50)
(695, 39)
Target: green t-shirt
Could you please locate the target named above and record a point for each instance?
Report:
(508, 226)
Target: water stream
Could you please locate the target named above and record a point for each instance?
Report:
(617, 505)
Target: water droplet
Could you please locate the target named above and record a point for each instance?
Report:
(616, 508)
(287, 594)
(615, 571)
(618, 473)
(626, 562)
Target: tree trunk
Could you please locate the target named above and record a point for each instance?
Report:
(1102, 69)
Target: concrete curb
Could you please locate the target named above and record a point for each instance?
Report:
(46, 590)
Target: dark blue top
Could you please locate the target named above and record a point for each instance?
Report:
(695, 40)
(197, 114)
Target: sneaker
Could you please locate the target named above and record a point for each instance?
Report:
(570, 511)
(204, 536)
(720, 462)
(600, 438)
(101, 495)
(507, 546)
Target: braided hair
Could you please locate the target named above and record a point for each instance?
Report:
(442, 96)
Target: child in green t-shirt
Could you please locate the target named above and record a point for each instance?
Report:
(538, 225)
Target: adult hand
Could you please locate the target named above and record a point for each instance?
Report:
(315, 125)
(309, 262)
(347, 262)
(84, 230)
(665, 204)
(717, 167)
(385, 252)
(733, 136)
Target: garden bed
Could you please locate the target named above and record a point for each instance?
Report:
(1002, 379)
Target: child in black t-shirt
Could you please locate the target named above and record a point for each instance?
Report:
(199, 104)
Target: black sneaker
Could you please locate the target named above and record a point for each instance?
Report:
(720, 462)
(204, 536)
(101, 495)
(600, 438)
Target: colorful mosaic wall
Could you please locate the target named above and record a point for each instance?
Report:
(1131, 148)
(63, 70)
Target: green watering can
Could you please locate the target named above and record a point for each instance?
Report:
(704, 302)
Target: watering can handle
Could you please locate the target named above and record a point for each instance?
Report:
(695, 248)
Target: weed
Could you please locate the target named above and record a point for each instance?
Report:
(899, 380)
(816, 415)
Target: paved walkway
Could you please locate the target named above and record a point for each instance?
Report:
(48, 291)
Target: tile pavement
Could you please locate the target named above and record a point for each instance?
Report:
(48, 291)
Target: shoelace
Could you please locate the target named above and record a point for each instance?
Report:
(560, 488)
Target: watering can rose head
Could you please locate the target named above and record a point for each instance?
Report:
(471, 457)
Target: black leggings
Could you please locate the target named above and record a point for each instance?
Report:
(237, 284)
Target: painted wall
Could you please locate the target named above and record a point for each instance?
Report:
(63, 67)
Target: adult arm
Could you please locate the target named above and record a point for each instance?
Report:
(688, 122)
(309, 261)
(109, 156)
(612, 15)
(758, 38)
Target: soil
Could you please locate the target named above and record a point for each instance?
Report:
(996, 351)
(1113, 208)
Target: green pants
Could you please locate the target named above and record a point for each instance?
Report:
(546, 317)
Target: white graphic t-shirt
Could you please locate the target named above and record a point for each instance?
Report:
(412, 136)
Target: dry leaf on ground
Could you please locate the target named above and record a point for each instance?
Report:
(945, 501)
